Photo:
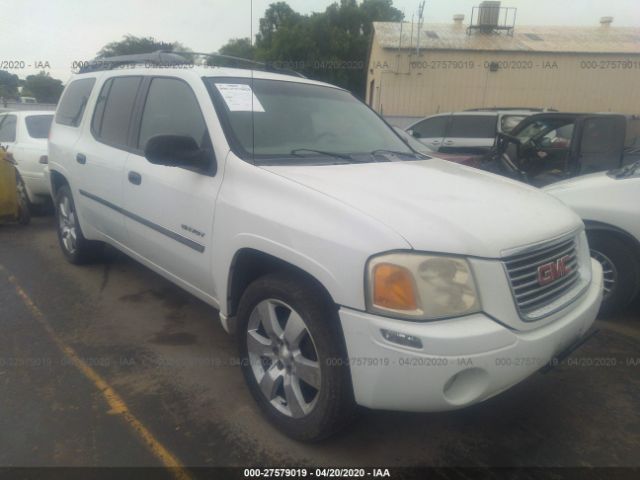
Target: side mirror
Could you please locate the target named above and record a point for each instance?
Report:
(414, 134)
(176, 151)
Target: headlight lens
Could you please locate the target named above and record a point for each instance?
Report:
(421, 287)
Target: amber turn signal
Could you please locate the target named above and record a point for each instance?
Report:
(393, 287)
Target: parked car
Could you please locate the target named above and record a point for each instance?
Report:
(608, 202)
(461, 158)
(24, 135)
(353, 270)
(31, 100)
(549, 147)
(469, 132)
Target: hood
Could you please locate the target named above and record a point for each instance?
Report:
(439, 206)
(592, 180)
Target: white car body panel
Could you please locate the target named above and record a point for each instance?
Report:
(599, 197)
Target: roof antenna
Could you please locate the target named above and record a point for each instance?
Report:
(420, 22)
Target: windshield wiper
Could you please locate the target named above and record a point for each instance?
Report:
(297, 151)
(399, 154)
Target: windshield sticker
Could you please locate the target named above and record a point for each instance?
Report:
(239, 97)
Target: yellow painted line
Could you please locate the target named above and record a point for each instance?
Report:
(117, 404)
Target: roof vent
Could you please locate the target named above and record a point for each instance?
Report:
(606, 21)
(458, 18)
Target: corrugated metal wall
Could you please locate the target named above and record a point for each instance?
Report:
(406, 84)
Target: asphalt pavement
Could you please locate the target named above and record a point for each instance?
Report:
(171, 387)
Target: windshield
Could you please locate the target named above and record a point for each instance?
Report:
(38, 125)
(293, 120)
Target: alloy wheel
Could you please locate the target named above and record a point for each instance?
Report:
(609, 271)
(283, 358)
(67, 224)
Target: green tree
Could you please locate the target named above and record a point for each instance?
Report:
(331, 46)
(8, 85)
(42, 86)
(239, 47)
(130, 45)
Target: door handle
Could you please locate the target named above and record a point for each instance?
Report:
(81, 158)
(135, 178)
(449, 142)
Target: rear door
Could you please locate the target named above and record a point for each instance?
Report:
(101, 155)
(169, 210)
(431, 131)
(470, 134)
(599, 143)
(31, 146)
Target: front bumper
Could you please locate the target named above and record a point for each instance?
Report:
(462, 361)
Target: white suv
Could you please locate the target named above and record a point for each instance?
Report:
(353, 270)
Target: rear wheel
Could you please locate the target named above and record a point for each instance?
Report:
(24, 214)
(621, 268)
(293, 357)
(75, 247)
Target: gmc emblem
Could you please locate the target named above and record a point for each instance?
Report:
(552, 271)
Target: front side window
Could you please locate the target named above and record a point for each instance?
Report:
(287, 120)
(38, 125)
(473, 126)
(112, 115)
(432, 127)
(171, 108)
(74, 101)
(8, 129)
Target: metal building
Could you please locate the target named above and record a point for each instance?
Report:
(420, 69)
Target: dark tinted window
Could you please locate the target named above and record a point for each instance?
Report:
(472, 126)
(38, 125)
(600, 135)
(8, 129)
(112, 116)
(171, 108)
(432, 127)
(73, 102)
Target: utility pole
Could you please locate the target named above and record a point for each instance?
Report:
(420, 22)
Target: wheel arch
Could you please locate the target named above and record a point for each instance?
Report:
(57, 181)
(596, 226)
(249, 264)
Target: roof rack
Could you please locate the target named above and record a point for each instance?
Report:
(167, 59)
(508, 109)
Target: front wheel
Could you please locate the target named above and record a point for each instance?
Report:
(293, 357)
(75, 247)
(621, 269)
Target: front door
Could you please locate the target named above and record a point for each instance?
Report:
(169, 210)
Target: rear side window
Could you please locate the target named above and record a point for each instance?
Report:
(112, 115)
(74, 101)
(171, 109)
(431, 127)
(8, 129)
(38, 125)
(473, 126)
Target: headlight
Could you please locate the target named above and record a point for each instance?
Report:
(420, 287)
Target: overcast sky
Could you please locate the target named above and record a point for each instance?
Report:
(62, 31)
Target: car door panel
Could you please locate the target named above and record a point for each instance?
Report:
(470, 134)
(431, 131)
(169, 210)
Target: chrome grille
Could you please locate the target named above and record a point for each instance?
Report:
(531, 297)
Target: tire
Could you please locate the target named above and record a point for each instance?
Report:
(24, 215)
(621, 265)
(76, 248)
(305, 330)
